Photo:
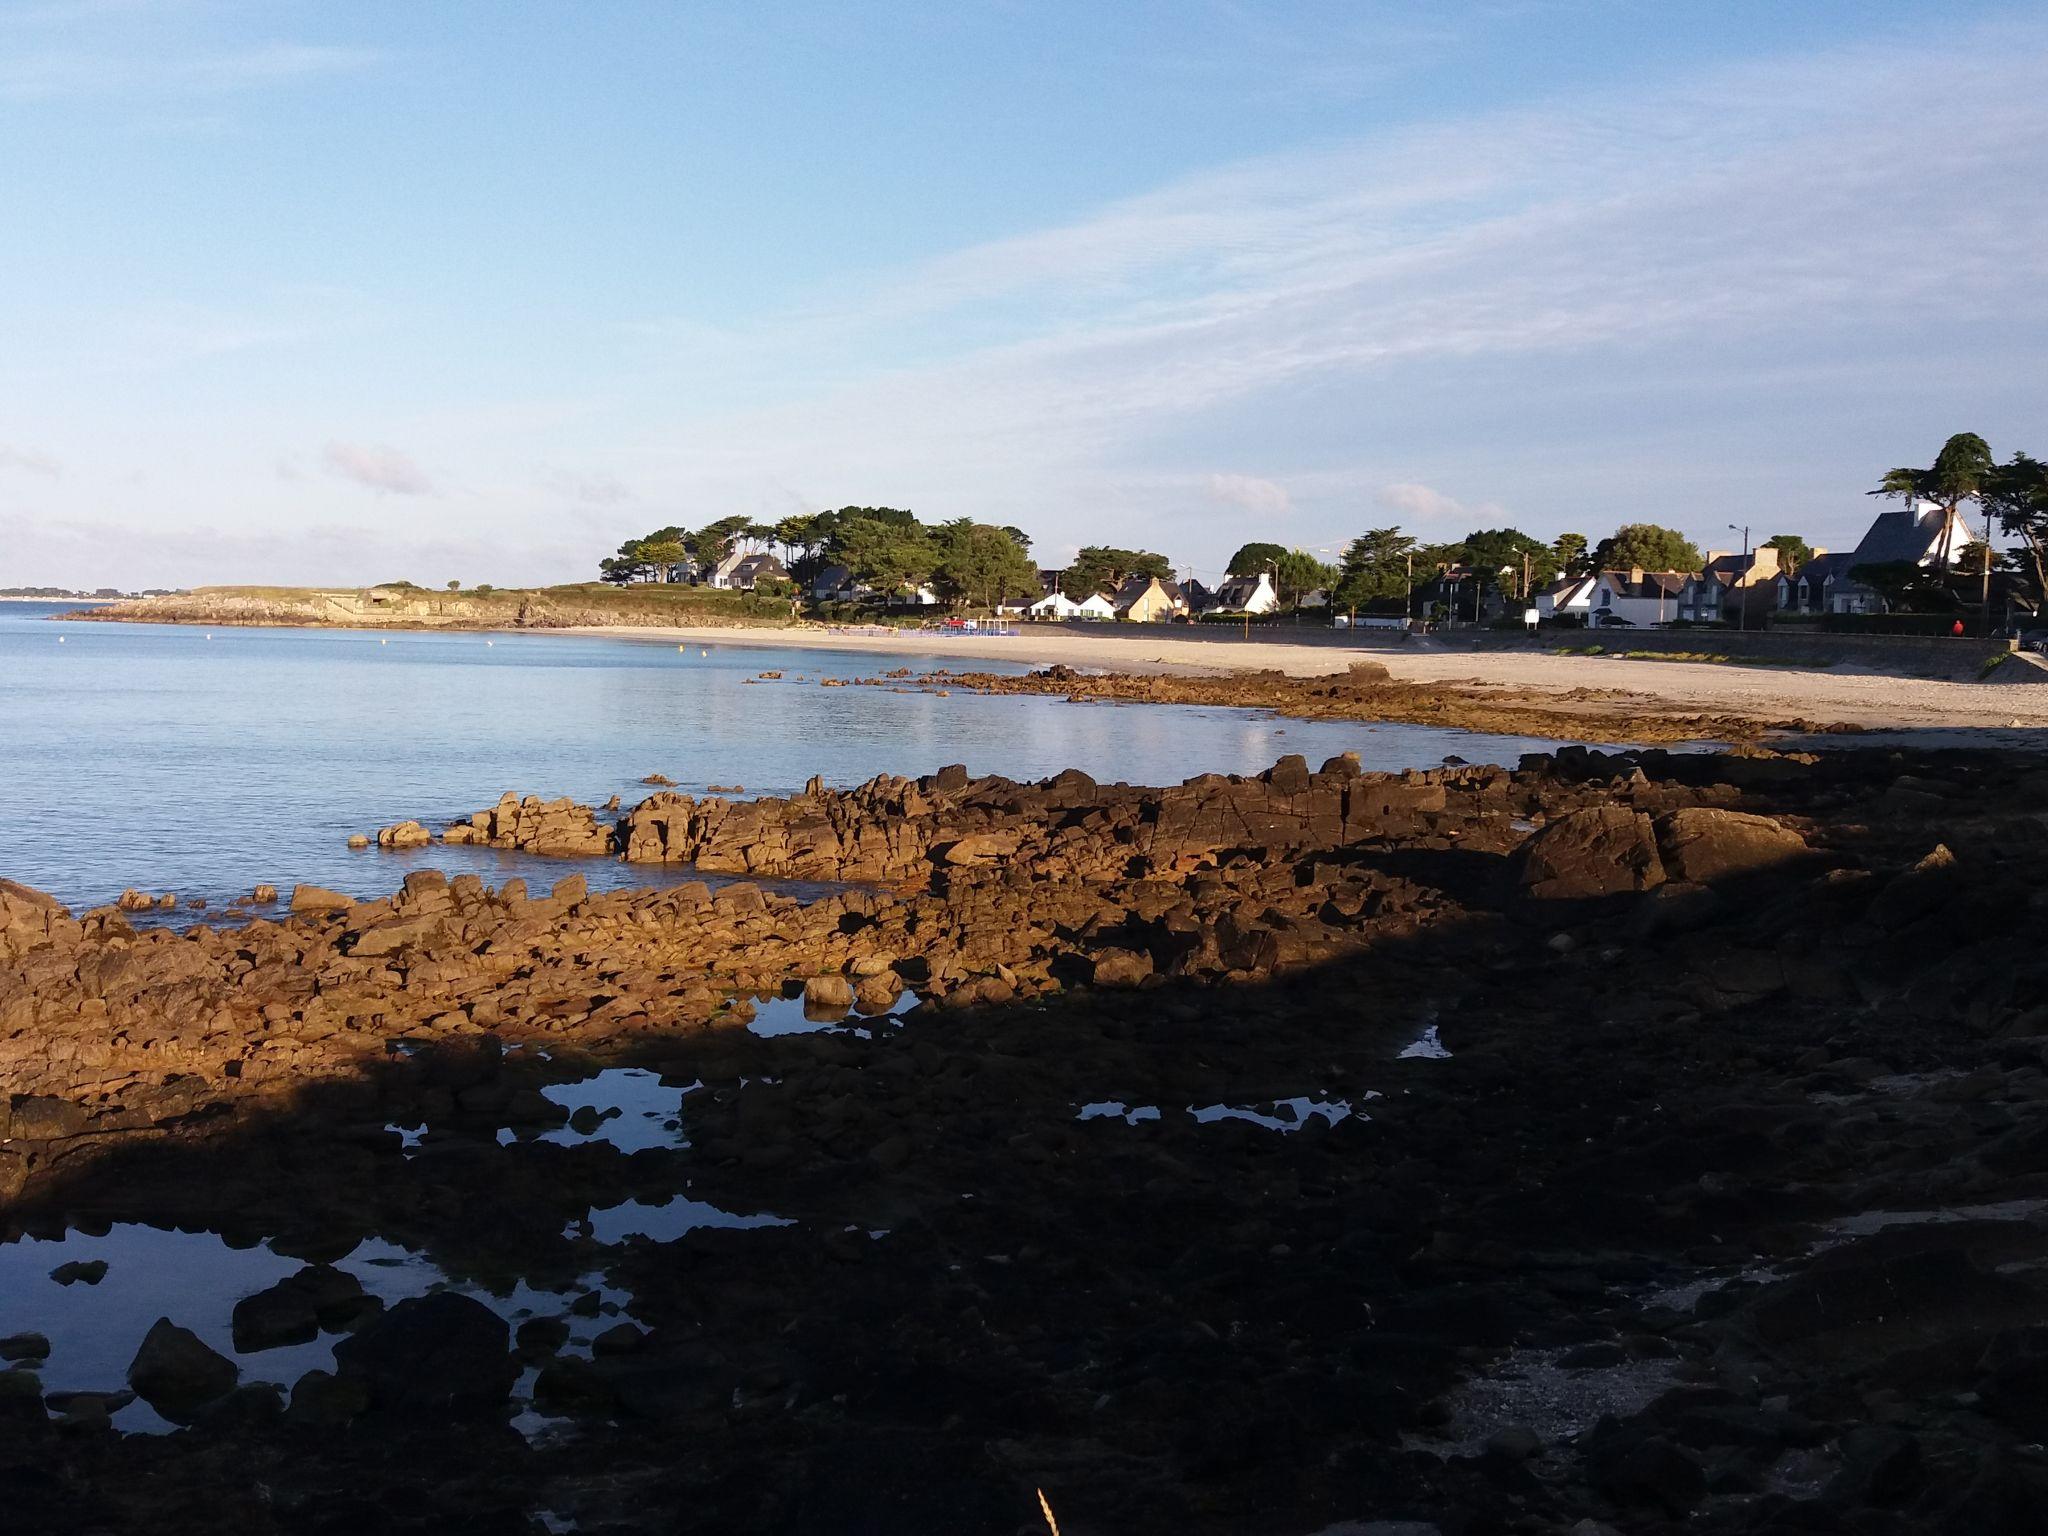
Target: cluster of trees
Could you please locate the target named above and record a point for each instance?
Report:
(886, 548)
(1103, 568)
(2013, 495)
(1295, 572)
(889, 549)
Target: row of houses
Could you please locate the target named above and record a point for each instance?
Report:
(1733, 587)
(1137, 600)
(739, 571)
(1153, 599)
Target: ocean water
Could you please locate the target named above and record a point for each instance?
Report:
(169, 758)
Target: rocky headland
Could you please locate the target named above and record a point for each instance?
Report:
(1626, 1142)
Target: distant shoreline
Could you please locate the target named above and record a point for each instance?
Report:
(1931, 711)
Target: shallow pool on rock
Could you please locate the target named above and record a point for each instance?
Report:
(195, 1279)
(634, 1110)
(666, 1221)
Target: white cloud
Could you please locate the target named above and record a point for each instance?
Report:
(381, 469)
(29, 462)
(598, 490)
(1250, 492)
(1412, 499)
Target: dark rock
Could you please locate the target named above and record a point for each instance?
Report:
(177, 1373)
(272, 1318)
(541, 1336)
(24, 1346)
(619, 1339)
(1646, 1472)
(80, 1272)
(1880, 1465)
(440, 1354)
(572, 1386)
(321, 1399)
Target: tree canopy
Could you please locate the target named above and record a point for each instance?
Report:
(1253, 558)
(1793, 551)
(1374, 569)
(2017, 496)
(1960, 472)
(1573, 555)
(886, 553)
(1649, 546)
(1297, 573)
(1101, 568)
(1490, 551)
(982, 565)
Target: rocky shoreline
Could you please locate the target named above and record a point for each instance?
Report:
(1368, 691)
(1632, 1142)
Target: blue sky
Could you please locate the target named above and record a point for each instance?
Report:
(295, 292)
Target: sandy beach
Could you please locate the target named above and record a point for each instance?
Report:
(2010, 712)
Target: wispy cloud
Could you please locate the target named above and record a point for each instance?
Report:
(1752, 211)
(51, 74)
(1250, 492)
(29, 462)
(590, 490)
(378, 468)
(1410, 498)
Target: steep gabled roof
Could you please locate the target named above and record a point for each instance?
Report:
(1236, 591)
(1653, 583)
(1818, 571)
(1906, 538)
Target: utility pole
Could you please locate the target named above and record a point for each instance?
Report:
(1742, 576)
(1987, 571)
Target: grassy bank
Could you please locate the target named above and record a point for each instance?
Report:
(580, 605)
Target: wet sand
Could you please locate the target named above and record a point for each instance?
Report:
(1936, 712)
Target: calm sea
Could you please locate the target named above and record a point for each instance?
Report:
(205, 762)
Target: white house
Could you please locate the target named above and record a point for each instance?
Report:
(1247, 594)
(722, 573)
(1569, 597)
(1054, 605)
(756, 568)
(1636, 598)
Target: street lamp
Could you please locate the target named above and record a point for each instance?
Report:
(1742, 620)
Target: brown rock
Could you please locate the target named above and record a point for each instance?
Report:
(1121, 968)
(1704, 845)
(828, 994)
(317, 898)
(1602, 851)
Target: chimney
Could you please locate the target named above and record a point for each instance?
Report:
(1635, 575)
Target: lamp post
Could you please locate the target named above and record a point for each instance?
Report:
(1742, 621)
